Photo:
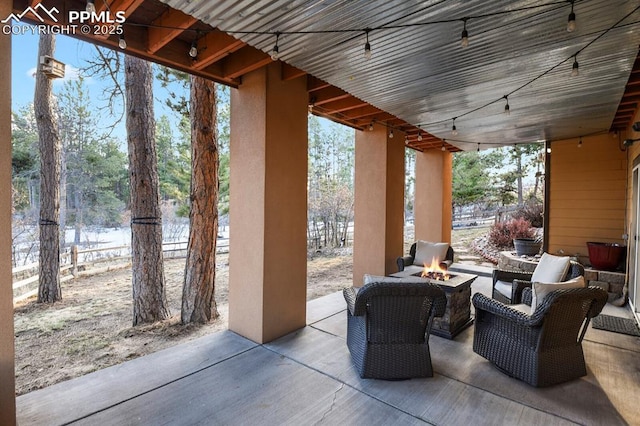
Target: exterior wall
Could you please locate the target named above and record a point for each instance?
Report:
(379, 203)
(7, 375)
(268, 206)
(433, 196)
(587, 195)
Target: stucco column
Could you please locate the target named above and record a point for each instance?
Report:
(268, 205)
(7, 376)
(433, 195)
(379, 203)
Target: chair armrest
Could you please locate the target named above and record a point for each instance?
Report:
(517, 289)
(484, 305)
(403, 261)
(500, 275)
(527, 296)
(349, 294)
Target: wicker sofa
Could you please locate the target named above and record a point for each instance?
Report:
(543, 348)
(388, 325)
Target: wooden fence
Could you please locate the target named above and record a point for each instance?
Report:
(76, 263)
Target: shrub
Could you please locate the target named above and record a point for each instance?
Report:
(501, 234)
(531, 212)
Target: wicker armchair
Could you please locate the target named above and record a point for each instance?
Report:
(388, 327)
(541, 349)
(404, 261)
(521, 281)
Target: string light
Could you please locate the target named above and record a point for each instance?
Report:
(580, 142)
(478, 147)
(371, 127)
(122, 43)
(444, 148)
(193, 52)
(575, 69)
(464, 39)
(419, 134)
(507, 109)
(406, 139)
(367, 45)
(391, 134)
(454, 130)
(571, 22)
(91, 6)
(275, 52)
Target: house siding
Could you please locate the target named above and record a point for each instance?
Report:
(588, 194)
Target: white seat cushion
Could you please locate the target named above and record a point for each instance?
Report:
(551, 269)
(522, 307)
(504, 288)
(426, 252)
(541, 290)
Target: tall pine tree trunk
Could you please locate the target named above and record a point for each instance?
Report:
(50, 147)
(149, 295)
(198, 303)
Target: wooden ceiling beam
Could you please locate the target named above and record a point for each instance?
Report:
(169, 25)
(329, 94)
(340, 105)
(215, 46)
(244, 61)
(289, 72)
(314, 84)
(362, 112)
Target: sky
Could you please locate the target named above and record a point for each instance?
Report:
(72, 53)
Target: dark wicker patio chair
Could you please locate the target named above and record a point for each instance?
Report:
(522, 280)
(388, 327)
(404, 261)
(544, 348)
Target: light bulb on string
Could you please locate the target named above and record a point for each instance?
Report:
(478, 147)
(391, 134)
(571, 22)
(371, 127)
(91, 6)
(575, 69)
(580, 142)
(193, 51)
(443, 148)
(419, 134)
(367, 46)
(454, 129)
(406, 139)
(122, 43)
(275, 52)
(464, 38)
(507, 108)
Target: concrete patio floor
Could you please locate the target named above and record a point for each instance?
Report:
(307, 378)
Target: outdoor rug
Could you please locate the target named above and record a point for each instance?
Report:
(616, 324)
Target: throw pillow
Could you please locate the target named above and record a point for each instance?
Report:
(426, 252)
(551, 269)
(541, 290)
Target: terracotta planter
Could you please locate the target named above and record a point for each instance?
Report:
(527, 246)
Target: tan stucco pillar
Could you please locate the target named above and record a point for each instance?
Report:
(268, 205)
(433, 195)
(7, 376)
(379, 203)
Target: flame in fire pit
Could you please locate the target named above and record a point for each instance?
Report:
(434, 271)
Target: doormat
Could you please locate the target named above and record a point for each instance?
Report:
(616, 324)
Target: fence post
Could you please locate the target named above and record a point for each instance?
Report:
(74, 260)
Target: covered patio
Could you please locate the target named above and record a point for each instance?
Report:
(397, 73)
(307, 377)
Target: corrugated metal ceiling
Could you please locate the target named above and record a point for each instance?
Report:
(420, 73)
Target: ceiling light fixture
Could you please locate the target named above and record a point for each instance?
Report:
(464, 39)
(507, 109)
(391, 134)
(420, 136)
(122, 43)
(371, 127)
(367, 45)
(91, 6)
(443, 148)
(193, 51)
(571, 22)
(454, 130)
(575, 69)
